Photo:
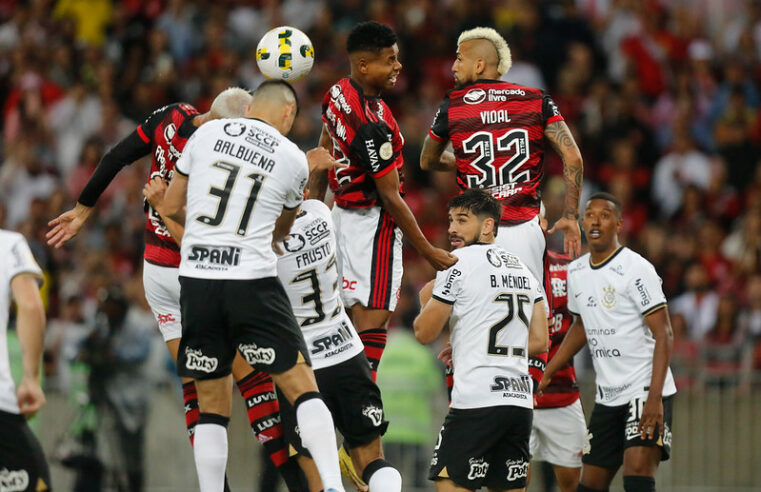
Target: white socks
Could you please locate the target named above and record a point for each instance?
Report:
(386, 479)
(319, 437)
(210, 452)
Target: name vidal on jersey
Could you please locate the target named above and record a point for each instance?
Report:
(495, 116)
(510, 281)
(244, 153)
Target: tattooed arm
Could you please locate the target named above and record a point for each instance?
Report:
(562, 141)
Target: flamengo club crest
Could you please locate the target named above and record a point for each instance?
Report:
(609, 297)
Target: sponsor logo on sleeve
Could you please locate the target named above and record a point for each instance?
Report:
(386, 151)
(453, 274)
(644, 295)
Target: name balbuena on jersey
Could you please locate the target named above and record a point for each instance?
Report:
(241, 173)
(493, 296)
(497, 133)
(15, 258)
(613, 299)
(309, 272)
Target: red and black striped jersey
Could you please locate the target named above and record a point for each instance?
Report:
(366, 136)
(164, 135)
(562, 390)
(497, 132)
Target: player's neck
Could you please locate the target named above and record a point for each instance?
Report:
(599, 257)
(367, 90)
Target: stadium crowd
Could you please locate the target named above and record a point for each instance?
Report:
(663, 97)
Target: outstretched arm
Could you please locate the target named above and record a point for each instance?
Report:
(574, 341)
(559, 136)
(434, 157)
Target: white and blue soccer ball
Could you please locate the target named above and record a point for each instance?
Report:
(285, 53)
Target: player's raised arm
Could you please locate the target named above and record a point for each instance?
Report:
(318, 178)
(435, 157)
(561, 139)
(652, 414)
(538, 336)
(154, 192)
(175, 198)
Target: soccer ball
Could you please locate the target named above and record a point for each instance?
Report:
(285, 53)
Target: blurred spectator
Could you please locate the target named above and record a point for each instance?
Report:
(743, 246)
(23, 178)
(750, 316)
(684, 354)
(726, 355)
(698, 305)
(684, 165)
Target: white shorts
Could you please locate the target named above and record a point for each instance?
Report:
(162, 291)
(527, 242)
(369, 257)
(558, 435)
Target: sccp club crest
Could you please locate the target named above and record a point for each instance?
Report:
(234, 129)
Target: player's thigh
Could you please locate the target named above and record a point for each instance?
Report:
(567, 477)
(604, 446)
(642, 460)
(215, 395)
(445, 485)
(21, 456)
(370, 257)
(365, 318)
(660, 441)
(527, 242)
(264, 329)
(465, 443)
(162, 291)
(558, 435)
(206, 349)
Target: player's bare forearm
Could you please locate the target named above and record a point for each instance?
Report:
(388, 190)
(284, 223)
(318, 179)
(176, 230)
(538, 337)
(574, 341)
(31, 323)
(429, 324)
(175, 198)
(660, 326)
(434, 157)
(561, 139)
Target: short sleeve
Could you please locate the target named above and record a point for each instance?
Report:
(21, 259)
(184, 163)
(440, 128)
(550, 111)
(373, 146)
(644, 288)
(570, 296)
(537, 294)
(295, 193)
(448, 285)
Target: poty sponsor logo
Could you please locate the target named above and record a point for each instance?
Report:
(474, 96)
(257, 355)
(478, 468)
(516, 469)
(373, 413)
(643, 293)
(196, 361)
(13, 480)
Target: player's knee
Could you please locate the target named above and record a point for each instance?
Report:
(380, 471)
(638, 483)
(582, 488)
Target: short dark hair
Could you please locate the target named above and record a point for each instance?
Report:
(277, 82)
(602, 195)
(482, 204)
(370, 36)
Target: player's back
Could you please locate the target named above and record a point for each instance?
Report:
(365, 136)
(241, 174)
(497, 133)
(309, 271)
(493, 296)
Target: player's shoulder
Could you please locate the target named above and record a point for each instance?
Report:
(579, 265)
(630, 258)
(344, 94)
(9, 238)
(315, 207)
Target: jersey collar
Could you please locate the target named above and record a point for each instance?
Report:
(359, 90)
(597, 266)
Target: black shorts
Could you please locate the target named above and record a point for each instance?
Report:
(353, 399)
(484, 447)
(613, 429)
(222, 316)
(22, 462)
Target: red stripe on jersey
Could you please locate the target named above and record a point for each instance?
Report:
(142, 135)
(434, 136)
(344, 110)
(555, 118)
(563, 389)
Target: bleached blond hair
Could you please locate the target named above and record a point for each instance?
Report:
(230, 103)
(489, 34)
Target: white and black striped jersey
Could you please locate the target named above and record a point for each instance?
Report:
(492, 294)
(241, 174)
(15, 258)
(613, 299)
(309, 273)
